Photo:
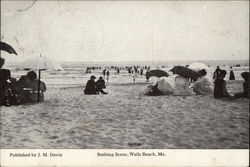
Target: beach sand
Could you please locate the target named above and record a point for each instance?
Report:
(124, 119)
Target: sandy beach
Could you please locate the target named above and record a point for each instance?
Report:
(124, 119)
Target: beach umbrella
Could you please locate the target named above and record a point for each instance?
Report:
(185, 72)
(6, 47)
(39, 64)
(157, 73)
(198, 66)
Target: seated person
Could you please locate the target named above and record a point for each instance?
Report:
(152, 90)
(220, 90)
(100, 85)
(203, 86)
(2, 60)
(29, 88)
(90, 88)
(246, 90)
(8, 94)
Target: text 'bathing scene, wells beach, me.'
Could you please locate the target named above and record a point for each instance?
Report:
(124, 75)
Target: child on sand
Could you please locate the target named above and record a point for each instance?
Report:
(220, 90)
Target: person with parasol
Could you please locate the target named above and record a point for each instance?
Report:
(182, 84)
(28, 88)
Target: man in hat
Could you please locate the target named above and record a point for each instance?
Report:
(90, 88)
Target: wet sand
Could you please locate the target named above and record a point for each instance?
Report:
(124, 119)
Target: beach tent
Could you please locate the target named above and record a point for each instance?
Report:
(38, 64)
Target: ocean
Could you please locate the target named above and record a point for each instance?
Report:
(74, 72)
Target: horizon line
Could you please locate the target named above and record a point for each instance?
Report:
(107, 61)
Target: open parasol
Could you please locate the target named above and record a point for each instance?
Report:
(185, 72)
(6, 47)
(157, 73)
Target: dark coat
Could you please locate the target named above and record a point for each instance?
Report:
(90, 87)
(100, 84)
(220, 90)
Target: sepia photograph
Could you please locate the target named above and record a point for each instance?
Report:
(124, 75)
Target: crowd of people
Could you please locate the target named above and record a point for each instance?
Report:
(181, 86)
(28, 89)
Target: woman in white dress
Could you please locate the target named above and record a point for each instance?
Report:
(203, 86)
(182, 87)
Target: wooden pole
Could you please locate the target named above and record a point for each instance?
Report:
(38, 94)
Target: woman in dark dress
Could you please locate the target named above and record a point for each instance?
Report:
(220, 90)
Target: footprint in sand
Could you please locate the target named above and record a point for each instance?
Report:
(134, 144)
(53, 137)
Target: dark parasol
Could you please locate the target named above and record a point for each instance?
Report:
(157, 73)
(6, 47)
(185, 72)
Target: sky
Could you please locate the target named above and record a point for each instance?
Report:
(84, 31)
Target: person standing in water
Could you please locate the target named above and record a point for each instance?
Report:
(231, 75)
(107, 75)
(104, 72)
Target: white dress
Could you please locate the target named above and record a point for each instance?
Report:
(166, 85)
(203, 86)
(182, 87)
